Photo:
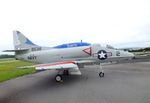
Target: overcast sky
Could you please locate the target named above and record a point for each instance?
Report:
(121, 23)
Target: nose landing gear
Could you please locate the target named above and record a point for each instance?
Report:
(101, 73)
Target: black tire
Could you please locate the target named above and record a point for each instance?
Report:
(58, 78)
(101, 74)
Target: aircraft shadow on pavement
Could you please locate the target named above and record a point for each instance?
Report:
(47, 84)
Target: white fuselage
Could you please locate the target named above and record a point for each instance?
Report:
(72, 54)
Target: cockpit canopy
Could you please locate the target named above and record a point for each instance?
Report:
(70, 45)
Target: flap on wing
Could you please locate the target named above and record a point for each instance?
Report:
(57, 65)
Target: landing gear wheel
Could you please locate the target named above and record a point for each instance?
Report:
(58, 78)
(101, 74)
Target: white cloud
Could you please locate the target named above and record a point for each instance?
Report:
(61, 21)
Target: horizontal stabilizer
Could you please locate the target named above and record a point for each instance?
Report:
(25, 67)
(15, 50)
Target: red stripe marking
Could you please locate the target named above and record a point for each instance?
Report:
(57, 63)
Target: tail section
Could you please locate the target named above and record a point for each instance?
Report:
(23, 45)
(22, 42)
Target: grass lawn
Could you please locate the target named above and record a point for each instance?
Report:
(8, 69)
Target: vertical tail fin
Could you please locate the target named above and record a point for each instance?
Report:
(22, 42)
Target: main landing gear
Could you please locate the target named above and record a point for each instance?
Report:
(101, 73)
(59, 76)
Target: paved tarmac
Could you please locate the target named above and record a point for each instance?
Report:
(123, 83)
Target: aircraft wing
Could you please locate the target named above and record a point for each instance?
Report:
(56, 65)
(15, 50)
(71, 66)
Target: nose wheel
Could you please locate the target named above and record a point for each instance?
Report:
(101, 74)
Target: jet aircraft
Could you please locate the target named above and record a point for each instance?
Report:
(67, 60)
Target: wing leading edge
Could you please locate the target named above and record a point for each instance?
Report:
(72, 67)
(57, 65)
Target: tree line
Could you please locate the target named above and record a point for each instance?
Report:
(141, 50)
(6, 56)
